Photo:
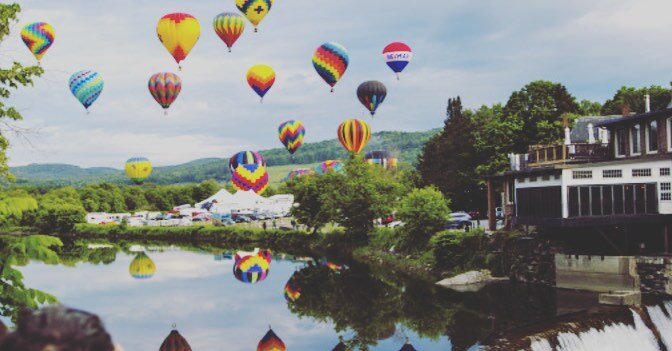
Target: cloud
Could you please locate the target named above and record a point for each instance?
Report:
(480, 50)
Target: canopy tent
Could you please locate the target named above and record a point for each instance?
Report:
(221, 196)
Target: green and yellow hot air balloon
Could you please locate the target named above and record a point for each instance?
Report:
(138, 169)
(142, 267)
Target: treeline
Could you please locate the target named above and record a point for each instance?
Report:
(475, 143)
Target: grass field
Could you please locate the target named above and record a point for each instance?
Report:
(278, 173)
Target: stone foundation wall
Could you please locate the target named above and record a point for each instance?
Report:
(655, 275)
(530, 260)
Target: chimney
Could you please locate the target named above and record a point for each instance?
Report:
(647, 103)
(591, 134)
(625, 109)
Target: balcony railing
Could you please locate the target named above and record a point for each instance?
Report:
(543, 155)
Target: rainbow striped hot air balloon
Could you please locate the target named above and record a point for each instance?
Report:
(165, 88)
(330, 165)
(292, 289)
(229, 27)
(297, 173)
(382, 158)
(397, 56)
(254, 10)
(38, 37)
(354, 134)
(271, 342)
(245, 158)
(291, 135)
(175, 342)
(138, 169)
(86, 86)
(252, 267)
(142, 267)
(261, 79)
(250, 177)
(179, 33)
(371, 94)
(331, 61)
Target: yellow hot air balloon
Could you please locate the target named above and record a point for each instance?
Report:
(142, 267)
(138, 169)
(178, 32)
(254, 10)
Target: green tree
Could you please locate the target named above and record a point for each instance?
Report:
(634, 99)
(424, 213)
(59, 210)
(11, 78)
(590, 108)
(540, 106)
(134, 197)
(494, 138)
(309, 193)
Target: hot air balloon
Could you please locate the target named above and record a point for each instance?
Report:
(271, 342)
(138, 169)
(291, 135)
(354, 134)
(165, 87)
(254, 10)
(382, 158)
(250, 177)
(246, 158)
(292, 289)
(38, 37)
(175, 342)
(371, 94)
(178, 32)
(330, 165)
(341, 345)
(398, 56)
(252, 267)
(331, 265)
(330, 61)
(299, 172)
(407, 346)
(142, 267)
(86, 86)
(261, 79)
(229, 27)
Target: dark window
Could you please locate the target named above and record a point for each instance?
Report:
(629, 197)
(651, 199)
(573, 201)
(621, 141)
(652, 136)
(618, 199)
(596, 200)
(640, 198)
(542, 202)
(607, 200)
(584, 198)
(636, 139)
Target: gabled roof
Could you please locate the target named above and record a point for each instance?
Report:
(636, 118)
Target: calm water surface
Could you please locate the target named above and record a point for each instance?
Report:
(196, 290)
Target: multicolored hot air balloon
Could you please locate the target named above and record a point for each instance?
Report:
(271, 342)
(292, 289)
(252, 267)
(229, 27)
(331, 61)
(250, 177)
(246, 158)
(138, 169)
(371, 94)
(142, 267)
(175, 342)
(397, 55)
(382, 158)
(178, 32)
(165, 88)
(86, 86)
(254, 10)
(291, 135)
(330, 165)
(38, 37)
(354, 134)
(297, 173)
(261, 79)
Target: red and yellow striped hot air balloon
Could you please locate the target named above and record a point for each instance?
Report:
(165, 88)
(261, 79)
(250, 177)
(178, 32)
(175, 342)
(271, 342)
(354, 134)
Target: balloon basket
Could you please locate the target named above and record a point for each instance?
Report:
(229, 49)
(332, 90)
(179, 67)
(398, 78)
(165, 112)
(256, 30)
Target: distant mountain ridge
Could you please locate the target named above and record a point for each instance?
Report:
(407, 145)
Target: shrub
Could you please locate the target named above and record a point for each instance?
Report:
(460, 251)
(384, 239)
(424, 213)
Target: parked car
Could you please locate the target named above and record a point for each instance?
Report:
(459, 220)
(395, 224)
(387, 220)
(242, 219)
(228, 221)
(499, 213)
(475, 214)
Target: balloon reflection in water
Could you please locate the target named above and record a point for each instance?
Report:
(341, 345)
(292, 289)
(142, 267)
(407, 347)
(175, 342)
(271, 342)
(252, 267)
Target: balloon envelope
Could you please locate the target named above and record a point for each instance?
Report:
(138, 169)
(354, 134)
(254, 10)
(246, 158)
(371, 94)
(331, 61)
(292, 289)
(271, 342)
(165, 88)
(330, 165)
(397, 55)
(252, 267)
(178, 32)
(38, 37)
(250, 177)
(229, 27)
(175, 342)
(382, 158)
(291, 135)
(297, 173)
(261, 79)
(86, 86)
(142, 267)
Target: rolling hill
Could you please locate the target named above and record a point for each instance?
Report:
(407, 145)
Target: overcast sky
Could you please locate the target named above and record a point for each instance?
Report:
(481, 50)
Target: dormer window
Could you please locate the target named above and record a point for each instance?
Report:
(621, 142)
(636, 140)
(652, 137)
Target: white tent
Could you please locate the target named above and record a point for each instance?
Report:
(245, 200)
(220, 197)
